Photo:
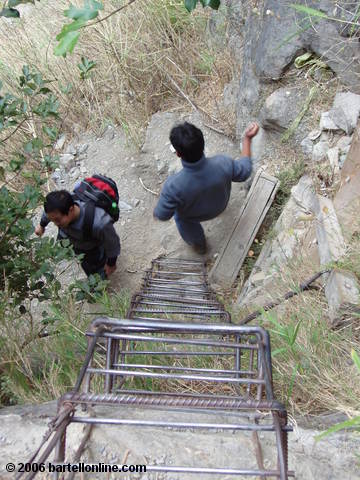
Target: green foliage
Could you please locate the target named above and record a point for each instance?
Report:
(296, 122)
(313, 13)
(286, 335)
(70, 33)
(85, 67)
(190, 5)
(10, 11)
(90, 289)
(353, 423)
(309, 11)
(26, 263)
(89, 11)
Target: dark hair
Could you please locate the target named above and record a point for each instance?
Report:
(59, 200)
(188, 141)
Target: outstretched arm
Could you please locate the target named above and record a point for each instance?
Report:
(250, 133)
(242, 168)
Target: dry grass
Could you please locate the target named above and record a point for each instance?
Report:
(145, 55)
(36, 369)
(313, 370)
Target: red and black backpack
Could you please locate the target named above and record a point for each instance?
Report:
(97, 191)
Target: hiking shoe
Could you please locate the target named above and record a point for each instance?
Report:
(201, 248)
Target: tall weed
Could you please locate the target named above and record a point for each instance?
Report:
(39, 364)
(145, 56)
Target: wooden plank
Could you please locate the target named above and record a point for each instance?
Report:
(241, 237)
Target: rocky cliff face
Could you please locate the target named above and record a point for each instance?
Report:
(266, 37)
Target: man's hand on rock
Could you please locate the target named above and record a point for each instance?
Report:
(251, 130)
(39, 230)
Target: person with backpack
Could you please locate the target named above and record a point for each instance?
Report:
(89, 227)
(201, 190)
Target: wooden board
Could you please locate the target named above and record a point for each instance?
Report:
(246, 226)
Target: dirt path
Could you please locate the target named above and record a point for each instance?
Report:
(142, 237)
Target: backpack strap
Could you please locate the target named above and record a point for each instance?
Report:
(88, 219)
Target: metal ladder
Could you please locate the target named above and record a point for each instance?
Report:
(179, 338)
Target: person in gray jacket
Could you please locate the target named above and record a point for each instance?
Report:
(201, 190)
(101, 248)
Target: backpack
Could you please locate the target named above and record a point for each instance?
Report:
(97, 191)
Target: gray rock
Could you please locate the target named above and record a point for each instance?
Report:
(331, 244)
(326, 136)
(289, 230)
(319, 151)
(344, 142)
(81, 149)
(109, 133)
(345, 111)
(162, 166)
(333, 157)
(71, 150)
(124, 206)
(342, 159)
(230, 95)
(56, 175)
(264, 46)
(307, 146)
(167, 241)
(273, 54)
(25, 426)
(136, 202)
(74, 172)
(314, 134)
(327, 123)
(281, 108)
(67, 160)
(60, 142)
(342, 293)
(157, 142)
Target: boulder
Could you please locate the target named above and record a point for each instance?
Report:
(345, 111)
(327, 123)
(275, 49)
(265, 42)
(289, 232)
(307, 146)
(320, 150)
(343, 143)
(342, 293)
(329, 236)
(281, 108)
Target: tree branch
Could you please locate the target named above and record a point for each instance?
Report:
(12, 133)
(110, 14)
(302, 287)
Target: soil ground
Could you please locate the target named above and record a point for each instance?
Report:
(142, 237)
